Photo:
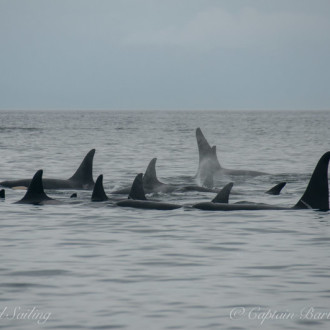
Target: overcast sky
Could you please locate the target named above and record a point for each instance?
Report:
(165, 54)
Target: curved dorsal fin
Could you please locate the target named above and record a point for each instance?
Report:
(98, 194)
(223, 195)
(316, 195)
(137, 191)
(35, 193)
(150, 176)
(84, 173)
(276, 189)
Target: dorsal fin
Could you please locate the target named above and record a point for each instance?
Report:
(203, 146)
(276, 190)
(98, 194)
(215, 159)
(150, 176)
(2, 193)
(316, 195)
(35, 193)
(137, 191)
(84, 173)
(223, 195)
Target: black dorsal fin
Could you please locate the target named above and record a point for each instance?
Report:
(316, 195)
(150, 176)
(84, 173)
(223, 195)
(137, 191)
(35, 193)
(98, 194)
(2, 193)
(276, 190)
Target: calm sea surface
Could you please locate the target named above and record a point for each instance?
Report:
(96, 266)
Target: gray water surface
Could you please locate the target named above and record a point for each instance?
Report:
(95, 266)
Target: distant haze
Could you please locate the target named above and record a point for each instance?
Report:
(159, 55)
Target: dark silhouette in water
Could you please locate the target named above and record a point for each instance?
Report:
(276, 190)
(98, 194)
(2, 193)
(82, 178)
(316, 195)
(35, 193)
(137, 198)
(209, 163)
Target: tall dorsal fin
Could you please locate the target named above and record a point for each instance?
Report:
(98, 194)
(35, 193)
(150, 176)
(216, 162)
(84, 173)
(223, 195)
(276, 190)
(2, 193)
(204, 149)
(316, 195)
(137, 191)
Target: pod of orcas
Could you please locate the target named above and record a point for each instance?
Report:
(316, 195)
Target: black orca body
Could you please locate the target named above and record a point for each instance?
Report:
(82, 179)
(2, 193)
(35, 193)
(137, 198)
(316, 195)
(209, 163)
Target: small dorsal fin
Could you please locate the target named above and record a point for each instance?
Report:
(316, 195)
(150, 176)
(223, 195)
(74, 195)
(137, 191)
(98, 194)
(84, 173)
(2, 193)
(276, 190)
(35, 193)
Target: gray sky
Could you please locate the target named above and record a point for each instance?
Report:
(165, 54)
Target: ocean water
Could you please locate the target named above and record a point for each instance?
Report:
(85, 265)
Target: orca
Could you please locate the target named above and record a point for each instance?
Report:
(81, 179)
(2, 193)
(209, 163)
(137, 198)
(35, 193)
(151, 184)
(316, 195)
(99, 194)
